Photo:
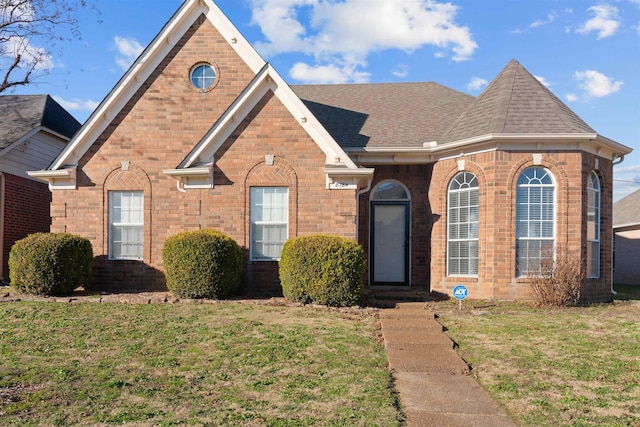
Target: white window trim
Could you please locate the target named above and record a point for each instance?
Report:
(598, 192)
(113, 224)
(555, 214)
(252, 222)
(449, 240)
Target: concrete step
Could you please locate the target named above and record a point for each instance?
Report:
(411, 324)
(425, 337)
(425, 358)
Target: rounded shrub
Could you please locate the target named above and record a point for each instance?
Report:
(50, 263)
(322, 269)
(202, 264)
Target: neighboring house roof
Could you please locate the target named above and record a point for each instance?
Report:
(626, 211)
(385, 114)
(21, 114)
(516, 103)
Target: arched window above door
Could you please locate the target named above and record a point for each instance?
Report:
(390, 190)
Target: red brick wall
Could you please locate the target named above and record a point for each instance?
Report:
(497, 173)
(158, 128)
(26, 211)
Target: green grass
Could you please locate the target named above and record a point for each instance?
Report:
(553, 367)
(191, 364)
(627, 292)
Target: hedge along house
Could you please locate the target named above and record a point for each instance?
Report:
(439, 187)
(33, 131)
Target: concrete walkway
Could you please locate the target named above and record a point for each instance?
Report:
(431, 378)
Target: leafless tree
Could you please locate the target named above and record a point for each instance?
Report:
(30, 31)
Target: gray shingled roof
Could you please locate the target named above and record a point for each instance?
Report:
(20, 114)
(385, 115)
(626, 211)
(515, 102)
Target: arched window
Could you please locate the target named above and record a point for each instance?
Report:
(462, 224)
(390, 190)
(535, 219)
(593, 225)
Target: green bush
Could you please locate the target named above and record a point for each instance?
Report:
(50, 263)
(202, 264)
(323, 269)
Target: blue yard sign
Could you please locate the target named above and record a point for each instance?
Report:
(460, 292)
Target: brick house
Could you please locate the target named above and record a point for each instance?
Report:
(439, 187)
(626, 235)
(33, 131)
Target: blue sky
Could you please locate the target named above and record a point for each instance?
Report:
(586, 51)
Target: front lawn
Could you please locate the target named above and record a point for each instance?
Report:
(553, 367)
(191, 364)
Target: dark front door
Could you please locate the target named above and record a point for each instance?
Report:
(390, 243)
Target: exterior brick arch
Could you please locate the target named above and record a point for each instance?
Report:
(133, 178)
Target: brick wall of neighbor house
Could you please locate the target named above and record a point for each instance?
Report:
(497, 173)
(416, 178)
(26, 211)
(627, 248)
(160, 125)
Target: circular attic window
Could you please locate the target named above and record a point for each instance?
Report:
(203, 76)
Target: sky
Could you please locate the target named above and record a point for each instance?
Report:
(587, 52)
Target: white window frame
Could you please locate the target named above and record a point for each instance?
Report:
(468, 183)
(261, 222)
(593, 243)
(135, 225)
(528, 186)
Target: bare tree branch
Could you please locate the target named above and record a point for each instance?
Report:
(29, 33)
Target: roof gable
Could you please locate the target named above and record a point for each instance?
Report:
(515, 102)
(147, 63)
(22, 114)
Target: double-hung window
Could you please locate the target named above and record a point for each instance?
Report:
(269, 222)
(593, 226)
(535, 219)
(462, 224)
(126, 224)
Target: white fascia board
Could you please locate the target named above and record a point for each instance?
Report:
(146, 63)
(267, 79)
(431, 151)
(335, 154)
(348, 179)
(231, 34)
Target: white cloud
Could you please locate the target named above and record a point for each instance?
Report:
(29, 53)
(596, 84)
(341, 35)
(551, 17)
(327, 74)
(605, 21)
(128, 50)
(542, 80)
(401, 70)
(540, 22)
(571, 97)
(476, 84)
(77, 104)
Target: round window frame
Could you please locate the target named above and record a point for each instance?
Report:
(215, 69)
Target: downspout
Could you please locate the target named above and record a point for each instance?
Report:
(617, 160)
(358, 194)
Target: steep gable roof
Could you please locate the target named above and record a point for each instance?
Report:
(515, 102)
(384, 114)
(626, 211)
(196, 167)
(22, 114)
